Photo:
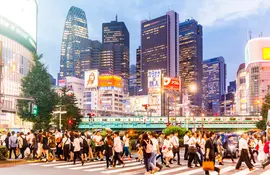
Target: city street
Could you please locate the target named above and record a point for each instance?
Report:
(132, 168)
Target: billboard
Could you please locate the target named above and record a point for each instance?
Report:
(91, 79)
(22, 13)
(266, 53)
(154, 100)
(110, 81)
(171, 83)
(154, 79)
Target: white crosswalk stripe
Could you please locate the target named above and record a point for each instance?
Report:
(136, 168)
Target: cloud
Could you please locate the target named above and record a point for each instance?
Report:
(216, 12)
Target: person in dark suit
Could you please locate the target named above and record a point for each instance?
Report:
(210, 150)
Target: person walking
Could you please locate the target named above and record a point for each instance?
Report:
(160, 143)
(66, 147)
(219, 150)
(244, 151)
(186, 139)
(22, 143)
(210, 150)
(13, 144)
(108, 144)
(126, 146)
(77, 148)
(58, 138)
(153, 158)
(192, 150)
(98, 145)
(146, 154)
(267, 152)
(34, 146)
(167, 150)
(176, 148)
(228, 147)
(85, 146)
(261, 155)
(52, 147)
(118, 149)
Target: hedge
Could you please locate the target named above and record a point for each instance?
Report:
(3, 153)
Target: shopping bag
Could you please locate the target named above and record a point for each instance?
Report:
(208, 165)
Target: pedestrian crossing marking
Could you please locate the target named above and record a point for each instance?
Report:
(266, 172)
(223, 170)
(171, 170)
(85, 167)
(245, 171)
(79, 164)
(122, 169)
(192, 172)
(55, 164)
(103, 168)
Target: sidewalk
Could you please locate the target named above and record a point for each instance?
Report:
(11, 162)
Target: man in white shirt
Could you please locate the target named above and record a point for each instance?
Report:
(175, 142)
(98, 141)
(186, 138)
(118, 149)
(126, 146)
(243, 147)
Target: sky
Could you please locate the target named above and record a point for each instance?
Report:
(225, 24)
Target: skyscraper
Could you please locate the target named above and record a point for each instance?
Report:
(213, 84)
(138, 68)
(115, 57)
(232, 87)
(90, 56)
(75, 32)
(190, 49)
(241, 91)
(132, 88)
(159, 46)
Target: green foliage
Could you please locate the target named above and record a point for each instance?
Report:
(261, 124)
(68, 102)
(3, 153)
(37, 85)
(173, 129)
(264, 112)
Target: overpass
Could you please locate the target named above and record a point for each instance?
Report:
(160, 122)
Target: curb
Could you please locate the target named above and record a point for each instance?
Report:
(10, 163)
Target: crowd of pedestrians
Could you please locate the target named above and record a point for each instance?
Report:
(152, 149)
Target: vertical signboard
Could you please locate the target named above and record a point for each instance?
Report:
(91, 79)
(1, 65)
(154, 92)
(154, 80)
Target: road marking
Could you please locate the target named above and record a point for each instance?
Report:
(266, 172)
(122, 169)
(103, 168)
(223, 170)
(55, 164)
(245, 171)
(85, 167)
(191, 172)
(171, 170)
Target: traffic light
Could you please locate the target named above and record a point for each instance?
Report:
(146, 106)
(70, 122)
(35, 110)
(91, 115)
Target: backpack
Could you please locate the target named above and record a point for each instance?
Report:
(266, 147)
(149, 147)
(52, 143)
(25, 144)
(85, 144)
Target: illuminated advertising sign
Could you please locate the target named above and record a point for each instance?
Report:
(136, 103)
(266, 53)
(61, 83)
(154, 79)
(91, 79)
(18, 21)
(110, 81)
(154, 100)
(171, 83)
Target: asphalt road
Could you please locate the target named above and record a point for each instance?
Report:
(131, 168)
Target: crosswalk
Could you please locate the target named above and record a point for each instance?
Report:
(137, 168)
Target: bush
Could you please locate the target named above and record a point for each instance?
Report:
(3, 153)
(173, 129)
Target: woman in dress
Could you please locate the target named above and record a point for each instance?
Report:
(167, 150)
(261, 156)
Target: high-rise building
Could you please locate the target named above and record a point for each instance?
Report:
(132, 88)
(257, 65)
(53, 80)
(213, 84)
(159, 46)
(115, 56)
(75, 32)
(138, 68)
(241, 93)
(190, 57)
(232, 87)
(90, 56)
(18, 38)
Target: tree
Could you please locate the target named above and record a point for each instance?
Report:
(68, 103)
(264, 112)
(173, 129)
(37, 85)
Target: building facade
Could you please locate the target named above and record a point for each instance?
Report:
(75, 33)
(18, 30)
(138, 69)
(159, 46)
(115, 39)
(190, 57)
(232, 87)
(257, 68)
(213, 84)
(132, 88)
(241, 92)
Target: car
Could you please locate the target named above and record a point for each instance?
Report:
(234, 147)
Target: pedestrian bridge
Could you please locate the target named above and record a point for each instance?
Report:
(141, 122)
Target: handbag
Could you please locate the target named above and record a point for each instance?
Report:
(192, 149)
(208, 166)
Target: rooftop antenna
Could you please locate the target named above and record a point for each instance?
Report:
(116, 17)
(249, 34)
